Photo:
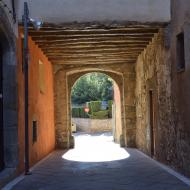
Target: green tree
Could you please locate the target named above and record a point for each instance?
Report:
(92, 87)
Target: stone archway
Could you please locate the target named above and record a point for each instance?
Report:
(8, 94)
(73, 76)
(64, 78)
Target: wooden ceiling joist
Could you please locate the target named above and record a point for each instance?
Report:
(91, 32)
(91, 46)
(87, 41)
(93, 49)
(93, 43)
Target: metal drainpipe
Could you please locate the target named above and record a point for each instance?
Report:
(13, 10)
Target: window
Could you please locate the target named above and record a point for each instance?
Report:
(180, 52)
(41, 77)
(34, 131)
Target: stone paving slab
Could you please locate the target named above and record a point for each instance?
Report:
(137, 172)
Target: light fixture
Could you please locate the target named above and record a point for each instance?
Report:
(36, 23)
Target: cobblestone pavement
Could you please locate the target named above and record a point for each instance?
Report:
(73, 171)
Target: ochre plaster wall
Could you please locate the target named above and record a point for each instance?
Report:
(41, 105)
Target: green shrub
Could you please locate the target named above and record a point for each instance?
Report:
(95, 106)
(75, 112)
(83, 114)
(100, 115)
(110, 102)
(86, 115)
(79, 113)
(95, 111)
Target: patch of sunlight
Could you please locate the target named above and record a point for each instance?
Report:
(95, 148)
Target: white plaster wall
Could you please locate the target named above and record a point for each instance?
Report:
(61, 11)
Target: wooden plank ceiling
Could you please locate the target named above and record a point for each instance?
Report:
(93, 43)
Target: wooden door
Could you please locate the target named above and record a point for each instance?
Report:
(152, 127)
(1, 114)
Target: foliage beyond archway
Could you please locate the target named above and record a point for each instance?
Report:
(92, 87)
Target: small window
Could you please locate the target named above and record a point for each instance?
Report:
(34, 131)
(41, 77)
(180, 52)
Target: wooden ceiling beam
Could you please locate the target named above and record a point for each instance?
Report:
(44, 30)
(132, 61)
(86, 37)
(91, 40)
(80, 56)
(94, 44)
(60, 48)
(92, 35)
(76, 56)
(91, 43)
(95, 50)
(93, 53)
(99, 59)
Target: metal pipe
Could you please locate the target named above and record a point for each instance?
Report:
(13, 11)
(26, 21)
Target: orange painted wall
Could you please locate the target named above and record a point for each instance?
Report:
(41, 106)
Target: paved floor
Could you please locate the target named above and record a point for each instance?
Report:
(98, 164)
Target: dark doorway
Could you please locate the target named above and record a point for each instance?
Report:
(1, 113)
(152, 136)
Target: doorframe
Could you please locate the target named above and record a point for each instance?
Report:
(152, 121)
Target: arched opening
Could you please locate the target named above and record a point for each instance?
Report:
(96, 121)
(63, 83)
(91, 103)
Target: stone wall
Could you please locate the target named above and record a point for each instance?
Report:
(13, 22)
(153, 70)
(156, 70)
(93, 125)
(61, 107)
(179, 144)
(9, 127)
